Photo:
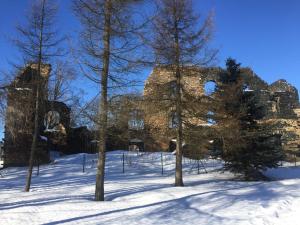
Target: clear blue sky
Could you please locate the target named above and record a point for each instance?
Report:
(261, 34)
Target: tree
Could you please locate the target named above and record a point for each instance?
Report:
(60, 82)
(61, 87)
(2, 101)
(248, 146)
(180, 41)
(2, 106)
(6, 79)
(38, 42)
(110, 50)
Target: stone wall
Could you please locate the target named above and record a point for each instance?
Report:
(19, 121)
(159, 103)
(55, 132)
(280, 99)
(57, 129)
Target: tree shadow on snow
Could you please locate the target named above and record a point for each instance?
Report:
(171, 208)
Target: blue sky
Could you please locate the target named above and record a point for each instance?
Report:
(261, 34)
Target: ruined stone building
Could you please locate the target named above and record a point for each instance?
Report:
(159, 93)
(19, 119)
(55, 132)
(145, 122)
(280, 99)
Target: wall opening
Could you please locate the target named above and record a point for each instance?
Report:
(210, 87)
(210, 118)
(51, 120)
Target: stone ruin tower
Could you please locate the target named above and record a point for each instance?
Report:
(19, 121)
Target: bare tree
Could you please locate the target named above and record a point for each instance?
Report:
(6, 78)
(110, 51)
(38, 43)
(2, 105)
(3, 85)
(60, 82)
(180, 40)
(64, 88)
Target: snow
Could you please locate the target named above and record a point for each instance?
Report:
(54, 155)
(23, 89)
(63, 194)
(50, 130)
(43, 138)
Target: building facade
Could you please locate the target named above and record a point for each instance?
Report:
(19, 120)
(143, 123)
(280, 99)
(55, 132)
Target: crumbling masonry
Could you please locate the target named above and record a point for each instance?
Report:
(55, 132)
(147, 131)
(280, 99)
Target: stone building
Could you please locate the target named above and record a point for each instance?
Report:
(280, 99)
(56, 127)
(19, 121)
(55, 132)
(126, 123)
(159, 93)
(138, 122)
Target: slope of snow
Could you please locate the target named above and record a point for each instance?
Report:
(63, 194)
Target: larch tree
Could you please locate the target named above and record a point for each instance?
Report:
(60, 82)
(180, 40)
(2, 104)
(61, 87)
(38, 43)
(3, 86)
(109, 50)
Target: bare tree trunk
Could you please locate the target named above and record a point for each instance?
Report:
(178, 169)
(103, 106)
(179, 139)
(180, 42)
(37, 104)
(34, 141)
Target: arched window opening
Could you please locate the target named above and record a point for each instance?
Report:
(210, 118)
(51, 120)
(247, 88)
(136, 145)
(210, 87)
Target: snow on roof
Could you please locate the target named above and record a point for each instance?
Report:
(23, 89)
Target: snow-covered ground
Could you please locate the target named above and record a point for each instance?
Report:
(63, 194)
